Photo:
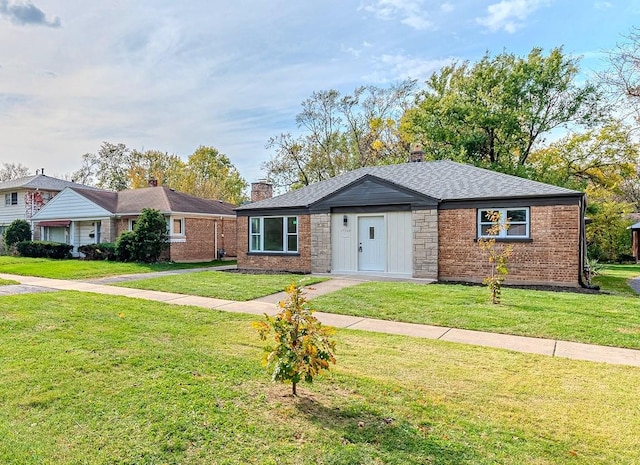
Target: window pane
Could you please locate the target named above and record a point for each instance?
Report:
(486, 216)
(255, 243)
(372, 232)
(255, 225)
(517, 216)
(484, 230)
(292, 243)
(273, 234)
(517, 230)
(292, 224)
(177, 226)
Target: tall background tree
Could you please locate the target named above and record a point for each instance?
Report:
(207, 172)
(495, 112)
(341, 133)
(10, 171)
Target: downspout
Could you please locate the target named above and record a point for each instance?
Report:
(215, 239)
(582, 249)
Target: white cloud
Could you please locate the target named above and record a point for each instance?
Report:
(603, 5)
(509, 14)
(399, 67)
(409, 12)
(447, 7)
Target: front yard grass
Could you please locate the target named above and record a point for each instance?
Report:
(6, 282)
(101, 379)
(596, 319)
(222, 285)
(615, 278)
(87, 269)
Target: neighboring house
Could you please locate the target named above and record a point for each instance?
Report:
(420, 220)
(23, 197)
(198, 228)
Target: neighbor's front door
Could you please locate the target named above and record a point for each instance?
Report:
(371, 243)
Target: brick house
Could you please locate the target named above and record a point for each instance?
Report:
(198, 228)
(420, 220)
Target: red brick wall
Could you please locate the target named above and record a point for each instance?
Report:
(300, 263)
(550, 258)
(200, 244)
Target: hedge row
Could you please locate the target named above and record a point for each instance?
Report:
(44, 249)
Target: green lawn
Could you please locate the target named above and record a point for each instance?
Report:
(221, 285)
(86, 269)
(6, 282)
(100, 380)
(615, 278)
(598, 319)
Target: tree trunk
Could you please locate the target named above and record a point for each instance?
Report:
(293, 389)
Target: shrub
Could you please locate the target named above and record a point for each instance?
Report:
(150, 236)
(17, 231)
(125, 247)
(303, 348)
(44, 249)
(103, 251)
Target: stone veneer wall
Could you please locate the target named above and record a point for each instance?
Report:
(550, 258)
(425, 243)
(298, 263)
(321, 243)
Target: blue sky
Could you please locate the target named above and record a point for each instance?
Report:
(174, 75)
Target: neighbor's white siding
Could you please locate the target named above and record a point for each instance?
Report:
(8, 213)
(68, 205)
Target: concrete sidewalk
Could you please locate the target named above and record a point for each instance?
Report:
(571, 350)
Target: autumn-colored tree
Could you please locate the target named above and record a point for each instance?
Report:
(303, 348)
(496, 256)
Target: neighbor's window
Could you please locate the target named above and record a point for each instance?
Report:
(273, 234)
(132, 224)
(11, 198)
(517, 220)
(178, 227)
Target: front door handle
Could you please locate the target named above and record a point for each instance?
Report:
(360, 248)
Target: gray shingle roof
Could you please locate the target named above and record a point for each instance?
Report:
(132, 201)
(442, 180)
(40, 181)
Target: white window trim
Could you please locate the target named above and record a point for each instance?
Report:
(285, 235)
(182, 224)
(503, 221)
(131, 221)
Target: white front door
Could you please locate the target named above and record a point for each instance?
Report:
(372, 243)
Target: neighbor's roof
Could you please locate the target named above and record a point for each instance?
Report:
(132, 201)
(40, 181)
(635, 226)
(441, 180)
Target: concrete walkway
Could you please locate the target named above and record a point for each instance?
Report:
(571, 350)
(635, 284)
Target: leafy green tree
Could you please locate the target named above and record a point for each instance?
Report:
(17, 231)
(341, 133)
(150, 236)
(495, 112)
(108, 168)
(303, 348)
(608, 238)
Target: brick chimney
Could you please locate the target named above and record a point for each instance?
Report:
(416, 154)
(153, 182)
(261, 190)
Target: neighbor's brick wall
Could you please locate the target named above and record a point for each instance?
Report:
(425, 243)
(550, 258)
(299, 263)
(108, 230)
(321, 243)
(228, 239)
(200, 243)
